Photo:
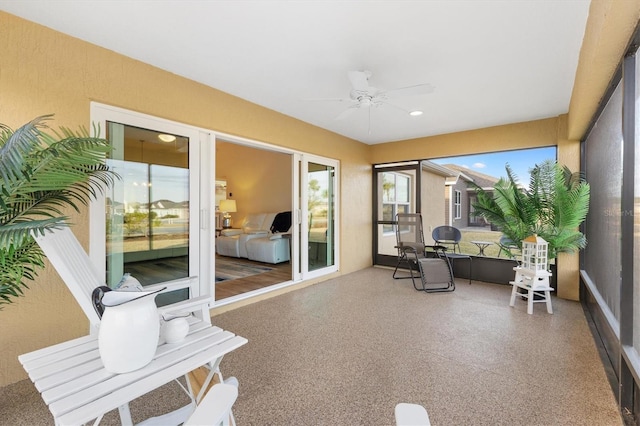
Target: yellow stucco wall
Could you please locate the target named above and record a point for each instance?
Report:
(609, 29)
(45, 72)
(490, 139)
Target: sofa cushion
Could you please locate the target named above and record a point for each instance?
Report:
(267, 250)
(253, 222)
(248, 230)
(228, 246)
(233, 242)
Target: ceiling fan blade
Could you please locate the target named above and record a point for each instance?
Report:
(418, 89)
(396, 107)
(360, 80)
(327, 100)
(347, 112)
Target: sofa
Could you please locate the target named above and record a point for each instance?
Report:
(261, 237)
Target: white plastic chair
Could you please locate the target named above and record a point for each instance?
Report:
(215, 407)
(411, 415)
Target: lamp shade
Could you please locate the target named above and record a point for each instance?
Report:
(228, 206)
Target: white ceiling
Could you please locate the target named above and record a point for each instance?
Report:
(491, 62)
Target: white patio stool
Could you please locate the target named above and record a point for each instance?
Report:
(411, 415)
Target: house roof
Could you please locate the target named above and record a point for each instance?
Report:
(168, 204)
(482, 180)
(438, 169)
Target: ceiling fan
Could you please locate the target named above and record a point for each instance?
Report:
(364, 96)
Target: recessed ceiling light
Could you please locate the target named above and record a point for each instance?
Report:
(415, 113)
(167, 138)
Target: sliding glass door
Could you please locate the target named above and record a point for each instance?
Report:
(317, 251)
(158, 222)
(155, 216)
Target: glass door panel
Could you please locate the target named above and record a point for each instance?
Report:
(321, 214)
(315, 250)
(147, 211)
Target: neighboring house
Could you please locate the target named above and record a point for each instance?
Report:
(460, 195)
(163, 208)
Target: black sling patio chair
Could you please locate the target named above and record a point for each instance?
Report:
(427, 263)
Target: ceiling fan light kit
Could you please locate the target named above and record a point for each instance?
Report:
(362, 95)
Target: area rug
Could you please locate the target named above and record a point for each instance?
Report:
(229, 269)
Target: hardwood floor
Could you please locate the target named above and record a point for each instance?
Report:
(279, 273)
(158, 270)
(167, 269)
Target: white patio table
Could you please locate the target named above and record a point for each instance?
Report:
(77, 389)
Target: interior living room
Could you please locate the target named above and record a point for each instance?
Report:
(259, 181)
(338, 340)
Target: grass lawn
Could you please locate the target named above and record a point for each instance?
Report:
(467, 247)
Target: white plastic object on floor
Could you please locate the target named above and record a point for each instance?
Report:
(215, 407)
(411, 415)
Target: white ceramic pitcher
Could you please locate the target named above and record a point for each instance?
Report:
(129, 330)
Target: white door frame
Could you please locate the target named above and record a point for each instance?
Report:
(202, 202)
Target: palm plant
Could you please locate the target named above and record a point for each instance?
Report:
(553, 207)
(41, 174)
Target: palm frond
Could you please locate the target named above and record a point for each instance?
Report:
(16, 148)
(16, 234)
(554, 205)
(19, 264)
(44, 172)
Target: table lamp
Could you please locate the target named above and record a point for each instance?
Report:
(226, 207)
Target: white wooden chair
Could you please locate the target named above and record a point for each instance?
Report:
(215, 407)
(74, 266)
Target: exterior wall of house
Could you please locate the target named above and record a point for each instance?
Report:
(432, 202)
(45, 72)
(447, 205)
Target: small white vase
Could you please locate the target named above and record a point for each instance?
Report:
(175, 329)
(129, 330)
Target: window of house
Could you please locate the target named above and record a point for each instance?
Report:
(396, 196)
(457, 204)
